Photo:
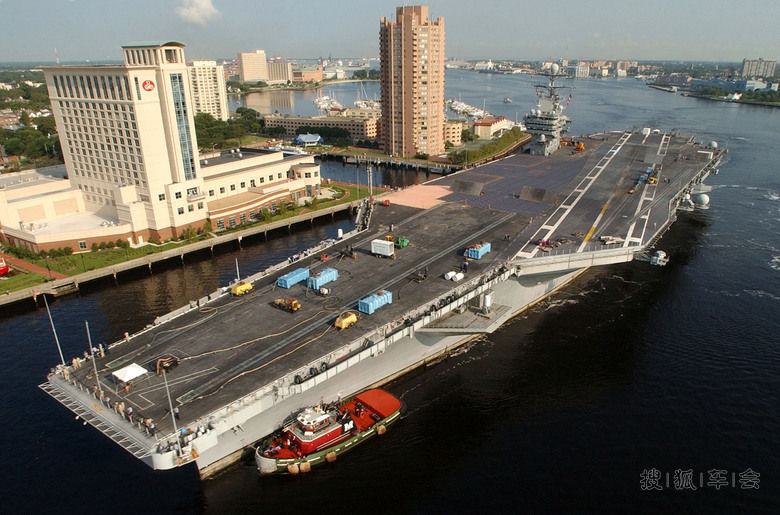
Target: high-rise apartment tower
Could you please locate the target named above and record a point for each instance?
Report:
(412, 83)
(208, 88)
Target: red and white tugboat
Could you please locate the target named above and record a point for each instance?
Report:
(318, 434)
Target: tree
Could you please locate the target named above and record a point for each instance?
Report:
(235, 85)
(46, 125)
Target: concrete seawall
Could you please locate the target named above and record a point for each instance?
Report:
(71, 283)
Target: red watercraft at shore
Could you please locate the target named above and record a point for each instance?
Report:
(4, 268)
(319, 434)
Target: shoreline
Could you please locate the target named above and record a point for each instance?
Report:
(720, 99)
(306, 87)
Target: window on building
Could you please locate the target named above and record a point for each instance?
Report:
(211, 193)
(242, 218)
(82, 245)
(232, 221)
(200, 205)
(177, 194)
(190, 208)
(222, 189)
(181, 210)
(232, 187)
(220, 225)
(251, 183)
(161, 196)
(243, 185)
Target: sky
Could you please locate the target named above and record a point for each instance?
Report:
(671, 30)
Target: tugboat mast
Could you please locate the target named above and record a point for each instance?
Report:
(547, 122)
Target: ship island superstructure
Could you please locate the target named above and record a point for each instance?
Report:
(547, 123)
(480, 246)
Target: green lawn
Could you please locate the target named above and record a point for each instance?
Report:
(78, 263)
(20, 281)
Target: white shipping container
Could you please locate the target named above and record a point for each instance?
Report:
(382, 248)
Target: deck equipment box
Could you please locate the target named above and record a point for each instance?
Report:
(327, 275)
(477, 251)
(375, 301)
(294, 277)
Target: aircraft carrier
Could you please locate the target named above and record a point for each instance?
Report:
(204, 383)
(243, 365)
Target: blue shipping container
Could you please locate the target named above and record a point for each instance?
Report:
(327, 275)
(294, 277)
(375, 301)
(478, 252)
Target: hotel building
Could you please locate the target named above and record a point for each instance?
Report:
(128, 141)
(412, 83)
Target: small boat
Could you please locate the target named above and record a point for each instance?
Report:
(319, 434)
(507, 100)
(4, 268)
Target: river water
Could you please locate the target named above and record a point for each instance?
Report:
(573, 406)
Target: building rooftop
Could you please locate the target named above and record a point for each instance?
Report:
(75, 222)
(135, 44)
(17, 180)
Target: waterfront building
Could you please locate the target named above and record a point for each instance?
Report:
(279, 72)
(579, 71)
(134, 172)
(412, 83)
(486, 128)
(209, 94)
(759, 68)
(359, 128)
(307, 74)
(252, 66)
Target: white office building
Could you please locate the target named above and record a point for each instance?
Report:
(252, 66)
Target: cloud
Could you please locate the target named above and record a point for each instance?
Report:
(197, 11)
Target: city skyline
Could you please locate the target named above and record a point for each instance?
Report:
(86, 30)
